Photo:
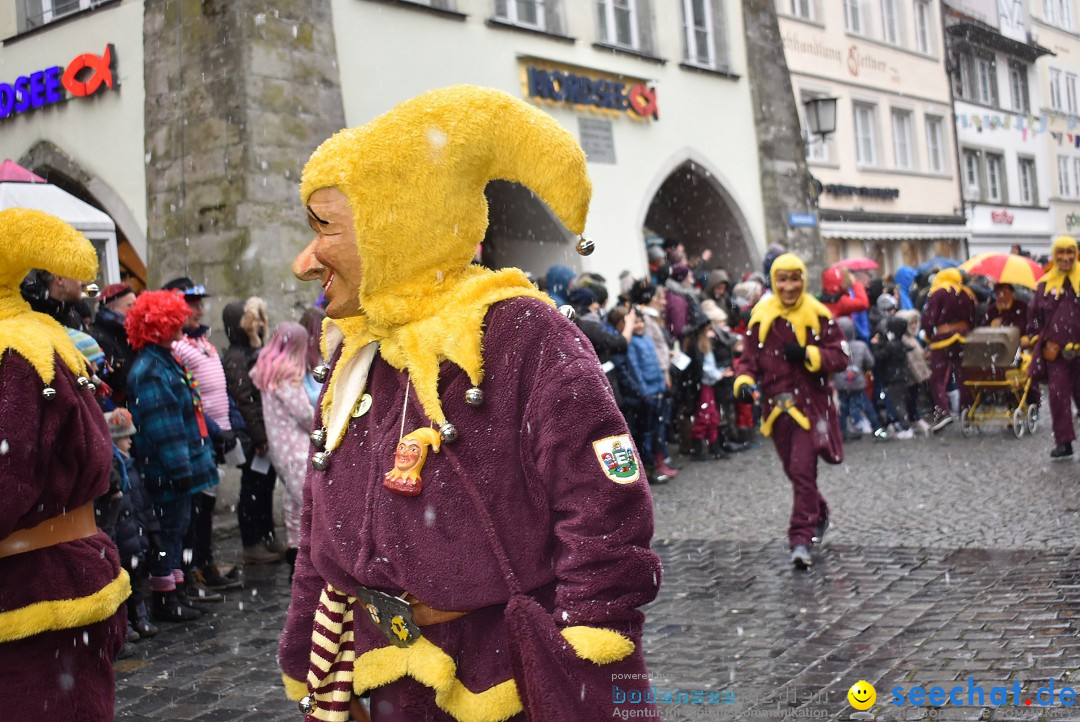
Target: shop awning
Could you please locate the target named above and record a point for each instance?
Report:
(893, 231)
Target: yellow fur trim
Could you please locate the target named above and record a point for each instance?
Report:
(742, 380)
(805, 313)
(1054, 279)
(294, 688)
(599, 646)
(431, 666)
(415, 180)
(448, 326)
(946, 342)
(56, 614)
(813, 359)
(33, 239)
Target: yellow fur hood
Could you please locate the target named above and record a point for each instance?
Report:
(415, 180)
(34, 239)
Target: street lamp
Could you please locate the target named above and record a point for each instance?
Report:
(821, 116)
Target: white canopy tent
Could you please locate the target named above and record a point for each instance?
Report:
(96, 225)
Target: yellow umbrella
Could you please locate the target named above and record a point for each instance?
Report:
(1004, 268)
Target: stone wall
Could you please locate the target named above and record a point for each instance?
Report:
(238, 95)
(784, 176)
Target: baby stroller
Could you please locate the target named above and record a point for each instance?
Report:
(995, 373)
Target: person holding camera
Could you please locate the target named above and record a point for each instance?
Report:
(792, 349)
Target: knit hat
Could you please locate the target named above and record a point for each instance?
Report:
(582, 298)
(87, 346)
(120, 424)
(114, 291)
(886, 303)
(656, 253)
(680, 271)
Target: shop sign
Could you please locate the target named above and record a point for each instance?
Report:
(1002, 217)
(801, 219)
(82, 77)
(837, 189)
(588, 90)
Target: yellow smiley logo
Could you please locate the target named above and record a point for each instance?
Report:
(862, 695)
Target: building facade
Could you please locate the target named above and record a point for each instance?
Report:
(887, 178)
(196, 146)
(1003, 152)
(1055, 25)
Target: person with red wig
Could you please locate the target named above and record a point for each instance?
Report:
(172, 445)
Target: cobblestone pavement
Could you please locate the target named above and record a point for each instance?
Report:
(948, 558)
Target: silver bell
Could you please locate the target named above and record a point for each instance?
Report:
(568, 311)
(49, 393)
(320, 460)
(585, 247)
(448, 432)
(306, 704)
(320, 372)
(92, 290)
(474, 396)
(318, 437)
(83, 382)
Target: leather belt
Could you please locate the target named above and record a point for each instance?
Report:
(77, 524)
(956, 327)
(425, 616)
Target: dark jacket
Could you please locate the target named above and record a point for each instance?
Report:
(890, 354)
(238, 362)
(137, 522)
(108, 330)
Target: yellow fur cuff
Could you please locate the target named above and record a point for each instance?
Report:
(599, 646)
(740, 381)
(57, 614)
(294, 688)
(813, 359)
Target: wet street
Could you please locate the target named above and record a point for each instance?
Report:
(947, 558)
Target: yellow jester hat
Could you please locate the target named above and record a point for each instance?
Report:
(34, 239)
(415, 180)
(806, 313)
(1054, 279)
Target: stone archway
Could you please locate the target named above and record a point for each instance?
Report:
(523, 232)
(55, 166)
(693, 206)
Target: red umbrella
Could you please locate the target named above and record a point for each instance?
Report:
(858, 264)
(1005, 268)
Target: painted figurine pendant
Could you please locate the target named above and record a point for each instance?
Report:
(409, 460)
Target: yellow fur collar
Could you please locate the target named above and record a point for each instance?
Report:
(1054, 280)
(448, 325)
(36, 337)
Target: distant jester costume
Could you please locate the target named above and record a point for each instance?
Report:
(797, 405)
(489, 568)
(61, 584)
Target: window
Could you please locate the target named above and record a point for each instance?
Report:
(36, 13)
(1055, 89)
(625, 24)
(865, 135)
(706, 37)
(1065, 179)
(803, 9)
(1026, 171)
(924, 25)
(526, 13)
(1018, 87)
(995, 178)
(901, 131)
(1076, 177)
(817, 150)
(1065, 14)
(1070, 92)
(978, 79)
(972, 184)
(1058, 12)
(853, 16)
(890, 22)
(935, 144)
(1048, 11)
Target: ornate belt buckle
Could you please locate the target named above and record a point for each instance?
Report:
(392, 615)
(785, 400)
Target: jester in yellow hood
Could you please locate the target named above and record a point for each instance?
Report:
(1053, 328)
(792, 349)
(61, 616)
(948, 316)
(514, 572)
